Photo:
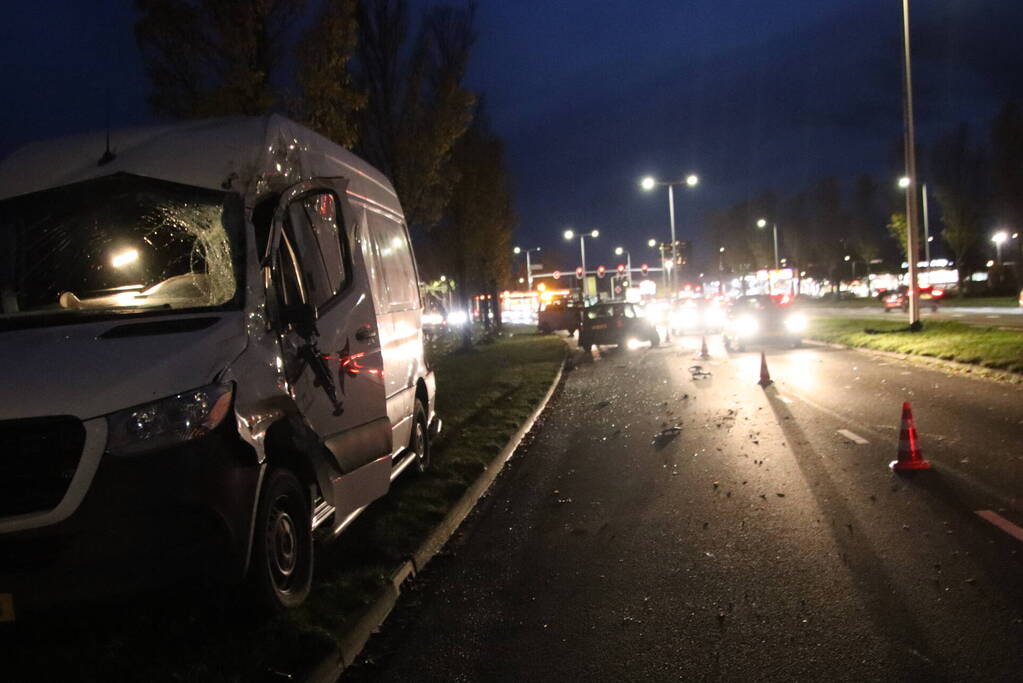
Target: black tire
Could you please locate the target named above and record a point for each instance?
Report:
(727, 342)
(655, 339)
(281, 570)
(419, 440)
(544, 329)
(586, 346)
(797, 343)
(887, 310)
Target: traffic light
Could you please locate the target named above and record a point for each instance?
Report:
(621, 269)
(644, 268)
(601, 270)
(579, 272)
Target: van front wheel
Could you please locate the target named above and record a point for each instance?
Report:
(282, 554)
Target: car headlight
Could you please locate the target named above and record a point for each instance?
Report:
(714, 318)
(746, 326)
(170, 420)
(796, 323)
(458, 318)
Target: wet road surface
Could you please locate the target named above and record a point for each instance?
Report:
(765, 539)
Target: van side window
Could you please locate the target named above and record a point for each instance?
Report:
(315, 226)
(396, 259)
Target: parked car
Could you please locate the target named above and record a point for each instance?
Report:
(216, 355)
(561, 314)
(617, 324)
(763, 319)
(929, 298)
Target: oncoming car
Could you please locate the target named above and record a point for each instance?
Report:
(929, 298)
(617, 324)
(763, 319)
(219, 357)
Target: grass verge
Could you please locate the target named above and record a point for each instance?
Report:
(984, 346)
(192, 632)
(951, 302)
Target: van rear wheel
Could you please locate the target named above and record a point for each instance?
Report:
(281, 571)
(419, 442)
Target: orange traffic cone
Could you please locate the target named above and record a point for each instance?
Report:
(765, 376)
(704, 353)
(910, 456)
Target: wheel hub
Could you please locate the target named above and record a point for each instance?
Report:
(283, 546)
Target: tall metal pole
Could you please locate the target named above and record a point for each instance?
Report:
(529, 272)
(671, 214)
(582, 253)
(927, 230)
(912, 249)
(777, 263)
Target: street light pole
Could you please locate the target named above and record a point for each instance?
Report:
(927, 229)
(569, 234)
(650, 183)
(912, 248)
(529, 265)
(671, 218)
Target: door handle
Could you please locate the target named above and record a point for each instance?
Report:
(367, 335)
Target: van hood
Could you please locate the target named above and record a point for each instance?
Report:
(91, 369)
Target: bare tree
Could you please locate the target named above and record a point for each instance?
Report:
(417, 106)
(329, 99)
(960, 168)
(213, 57)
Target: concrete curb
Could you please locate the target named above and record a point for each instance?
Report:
(352, 643)
(978, 371)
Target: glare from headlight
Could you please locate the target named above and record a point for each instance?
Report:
(714, 317)
(747, 326)
(796, 322)
(433, 318)
(457, 318)
(632, 344)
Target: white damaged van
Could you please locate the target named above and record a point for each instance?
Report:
(212, 354)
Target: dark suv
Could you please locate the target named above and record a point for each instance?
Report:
(616, 323)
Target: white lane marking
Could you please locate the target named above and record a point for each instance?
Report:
(993, 317)
(855, 438)
(1002, 523)
(785, 399)
(957, 315)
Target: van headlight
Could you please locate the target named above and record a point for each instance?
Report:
(796, 323)
(746, 326)
(169, 421)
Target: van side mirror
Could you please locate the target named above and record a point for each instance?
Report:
(302, 317)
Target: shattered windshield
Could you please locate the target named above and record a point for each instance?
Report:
(119, 243)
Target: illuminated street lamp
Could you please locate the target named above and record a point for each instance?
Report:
(529, 266)
(999, 238)
(569, 235)
(628, 260)
(648, 184)
(651, 243)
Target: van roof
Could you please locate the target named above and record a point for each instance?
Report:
(251, 155)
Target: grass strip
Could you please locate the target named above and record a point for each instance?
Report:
(984, 346)
(191, 632)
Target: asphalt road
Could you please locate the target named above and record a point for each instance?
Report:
(1008, 318)
(760, 542)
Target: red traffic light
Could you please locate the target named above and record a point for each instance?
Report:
(621, 268)
(644, 268)
(601, 270)
(579, 272)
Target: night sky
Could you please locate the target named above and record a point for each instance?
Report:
(590, 96)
